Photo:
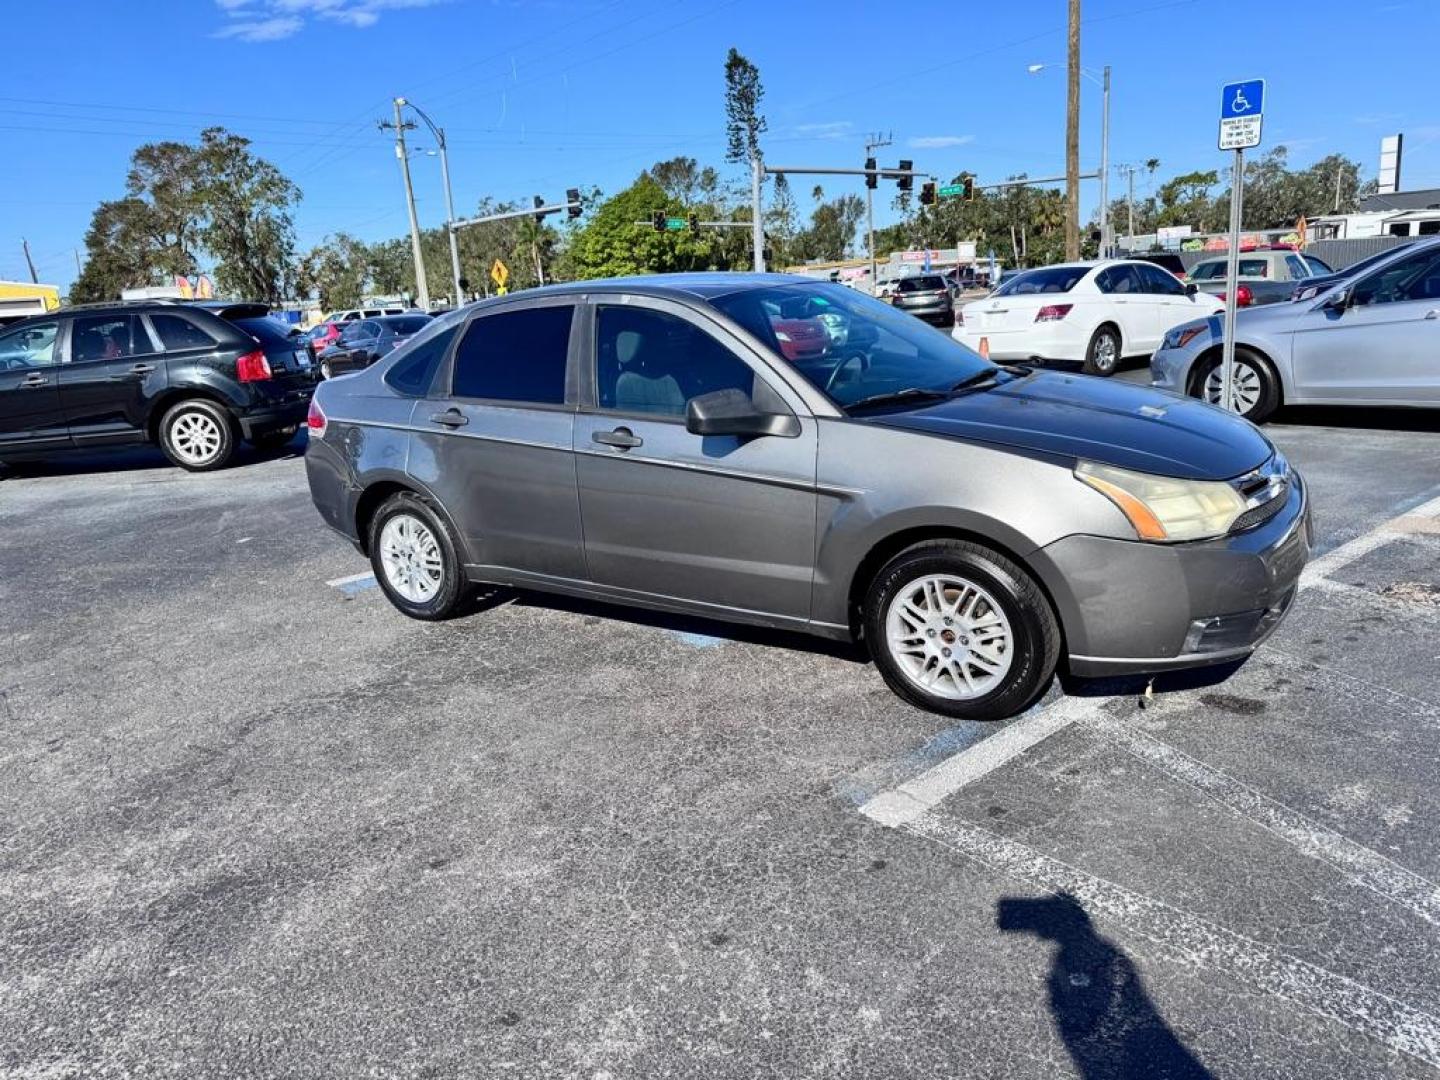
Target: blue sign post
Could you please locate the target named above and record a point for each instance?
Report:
(1242, 108)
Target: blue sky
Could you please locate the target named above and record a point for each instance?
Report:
(540, 95)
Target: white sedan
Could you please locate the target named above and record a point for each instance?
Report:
(1091, 312)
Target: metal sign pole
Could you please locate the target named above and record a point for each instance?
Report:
(1232, 273)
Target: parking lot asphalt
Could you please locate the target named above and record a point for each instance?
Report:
(253, 822)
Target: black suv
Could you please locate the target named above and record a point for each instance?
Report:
(193, 377)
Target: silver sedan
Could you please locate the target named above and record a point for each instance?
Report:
(1372, 338)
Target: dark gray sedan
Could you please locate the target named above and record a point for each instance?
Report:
(926, 296)
(364, 341)
(645, 442)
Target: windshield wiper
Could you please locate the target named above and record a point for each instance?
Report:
(898, 397)
(979, 378)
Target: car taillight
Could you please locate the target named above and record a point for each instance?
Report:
(1053, 312)
(253, 367)
(1243, 296)
(315, 420)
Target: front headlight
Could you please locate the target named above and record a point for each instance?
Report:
(1183, 334)
(1162, 508)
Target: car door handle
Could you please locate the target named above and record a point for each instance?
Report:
(33, 380)
(451, 418)
(137, 369)
(621, 438)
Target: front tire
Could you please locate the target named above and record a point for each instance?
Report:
(198, 435)
(961, 630)
(1102, 356)
(414, 558)
(1256, 389)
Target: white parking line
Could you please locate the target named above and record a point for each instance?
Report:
(1198, 941)
(905, 803)
(354, 583)
(1363, 866)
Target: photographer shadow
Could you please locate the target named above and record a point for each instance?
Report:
(1101, 1008)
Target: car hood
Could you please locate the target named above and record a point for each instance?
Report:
(1102, 420)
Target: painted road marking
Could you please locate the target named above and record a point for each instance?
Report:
(907, 801)
(355, 583)
(1199, 942)
(697, 641)
(1359, 863)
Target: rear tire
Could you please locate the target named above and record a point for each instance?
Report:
(961, 630)
(414, 558)
(1257, 388)
(198, 435)
(1102, 356)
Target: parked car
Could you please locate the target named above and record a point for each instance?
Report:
(1166, 260)
(645, 441)
(362, 343)
(193, 378)
(1264, 276)
(926, 296)
(1305, 288)
(351, 314)
(1091, 312)
(320, 337)
(1369, 339)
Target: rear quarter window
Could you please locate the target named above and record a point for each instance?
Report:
(177, 332)
(265, 330)
(418, 359)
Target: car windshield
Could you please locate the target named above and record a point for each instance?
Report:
(1049, 279)
(869, 348)
(921, 284)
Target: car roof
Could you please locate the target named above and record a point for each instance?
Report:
(704, 285)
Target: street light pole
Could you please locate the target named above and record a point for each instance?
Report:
(1105, 170)
(421, 288)
(439, 134)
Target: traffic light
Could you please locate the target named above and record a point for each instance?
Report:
(572, 198)
(657, 219)
(539, 202)
(967, 188)
(870, 178)
(927, 194)
(695, 223)
(905, 183)
(465, 286)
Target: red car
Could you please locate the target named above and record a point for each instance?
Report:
(801, 339)
(319, 338)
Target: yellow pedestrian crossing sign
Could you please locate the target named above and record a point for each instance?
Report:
(499, 273)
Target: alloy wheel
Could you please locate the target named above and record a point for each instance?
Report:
(410, 557)
(196, 437)
(1105, 352)
(950, 637)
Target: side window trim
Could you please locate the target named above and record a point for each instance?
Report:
(443, 385)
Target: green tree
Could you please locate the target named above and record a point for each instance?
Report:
(831, 233)
(336, 272)
(743, 122)
(612, 244)
(247, 225)
(125, 248)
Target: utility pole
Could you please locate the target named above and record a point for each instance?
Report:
(757, 224)
(29, 261)
(439, 134)
(1105, 239)
(872, 143)
(1130, 199)
(422, 289)
(1339, 171)
(76, 253)
(1072, 137)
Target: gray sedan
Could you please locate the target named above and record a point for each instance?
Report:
(645, 442)
(1369, 338)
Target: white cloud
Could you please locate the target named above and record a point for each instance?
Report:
(831, 129)
(938, 142)
(271, 20)
(281, 26)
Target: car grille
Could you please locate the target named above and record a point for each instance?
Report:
(1264, 490)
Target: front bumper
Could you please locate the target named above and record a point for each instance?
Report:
(1129, 607)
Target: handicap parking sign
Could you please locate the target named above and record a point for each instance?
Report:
(1242, 105)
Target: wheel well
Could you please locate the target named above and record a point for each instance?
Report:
(174, 397)
(370, 501)
(1112, 326)
(1214, 353)
(876, 558)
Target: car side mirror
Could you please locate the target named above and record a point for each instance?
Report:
(732, 412)
(1337, 301)
(1191, 288)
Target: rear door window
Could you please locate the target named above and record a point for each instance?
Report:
(1158, 282)
(1120, 280)
(517, 356)
(108, 337)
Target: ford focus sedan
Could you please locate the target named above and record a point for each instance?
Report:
(646, 442)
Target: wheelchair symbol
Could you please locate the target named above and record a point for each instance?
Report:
(1240, 104)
